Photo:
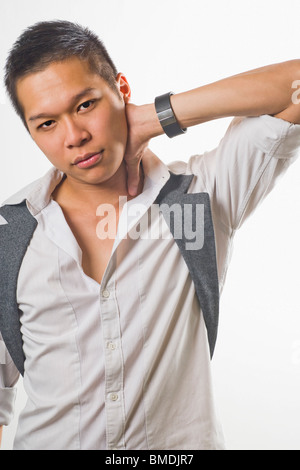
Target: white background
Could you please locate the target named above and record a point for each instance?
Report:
(174, 45)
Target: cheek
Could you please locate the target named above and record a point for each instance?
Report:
(51, 146)
(111, 126)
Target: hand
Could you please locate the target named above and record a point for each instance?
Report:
(137, 143)
(143, 125)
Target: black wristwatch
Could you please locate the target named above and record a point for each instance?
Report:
(166, 115)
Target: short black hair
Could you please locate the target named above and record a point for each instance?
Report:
(55, 41)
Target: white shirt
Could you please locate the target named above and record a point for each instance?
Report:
(126, 365)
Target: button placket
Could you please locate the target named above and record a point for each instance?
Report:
(113, 366)
(105, 294)
(112, 346)
(114, 397)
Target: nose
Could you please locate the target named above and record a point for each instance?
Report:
(75, 134)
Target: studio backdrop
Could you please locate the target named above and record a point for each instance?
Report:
(172, 45)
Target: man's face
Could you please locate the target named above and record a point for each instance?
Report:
(76, 119)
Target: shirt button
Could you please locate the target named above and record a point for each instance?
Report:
(114, 396)
(112, 346)
(105, 293)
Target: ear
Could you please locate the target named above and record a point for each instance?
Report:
(124, 87)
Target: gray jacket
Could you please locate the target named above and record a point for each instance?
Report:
(15, 236)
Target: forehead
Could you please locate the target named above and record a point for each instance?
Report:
(56, 84)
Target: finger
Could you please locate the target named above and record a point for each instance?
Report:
(133, 178)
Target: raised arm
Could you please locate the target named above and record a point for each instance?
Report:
(266, 90)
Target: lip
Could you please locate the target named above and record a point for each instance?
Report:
(88, 160)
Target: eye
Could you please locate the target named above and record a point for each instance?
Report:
(46, 125)
(86, 105)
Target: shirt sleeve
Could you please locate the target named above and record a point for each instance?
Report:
(246, 165)
(9, 376)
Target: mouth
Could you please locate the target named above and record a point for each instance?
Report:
(88, 160)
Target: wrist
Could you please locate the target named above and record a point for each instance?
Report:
(166, 116)
(150, 126)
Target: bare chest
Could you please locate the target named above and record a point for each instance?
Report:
(96, 239)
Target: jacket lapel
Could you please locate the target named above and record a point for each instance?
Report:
(17, 226)
(192, 216)
(15, 237)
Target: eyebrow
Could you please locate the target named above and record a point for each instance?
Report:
(73, 101)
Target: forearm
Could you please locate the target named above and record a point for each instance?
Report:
(267, 90)
(1, 427)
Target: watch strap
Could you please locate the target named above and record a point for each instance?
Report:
(166, 115)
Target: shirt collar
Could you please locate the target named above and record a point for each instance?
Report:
(38, 193)
(156, 175)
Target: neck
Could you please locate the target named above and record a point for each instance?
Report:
(90, 196)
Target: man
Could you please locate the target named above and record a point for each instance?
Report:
(114, 330)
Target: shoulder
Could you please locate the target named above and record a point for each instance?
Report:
(20, 195)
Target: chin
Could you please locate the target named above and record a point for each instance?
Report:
(96, 176)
